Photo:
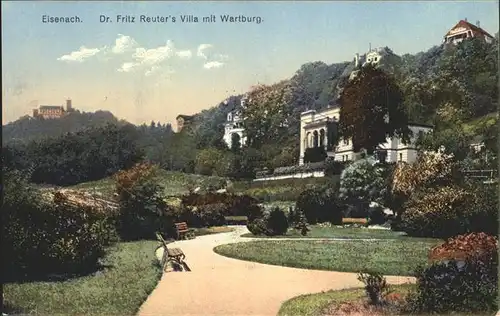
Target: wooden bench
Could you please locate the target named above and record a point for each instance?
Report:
(170, 254)
(183, 232)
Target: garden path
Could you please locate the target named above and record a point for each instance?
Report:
(218, 285)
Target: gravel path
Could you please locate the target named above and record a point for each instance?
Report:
(218, 285)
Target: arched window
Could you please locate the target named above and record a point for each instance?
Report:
(315, 139)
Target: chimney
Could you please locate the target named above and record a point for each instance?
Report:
(68, 105)
(356, 60)
(477, 24)
(370, 47)
(465, 19)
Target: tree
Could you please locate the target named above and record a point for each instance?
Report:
(372, 110)
(266, 113)
(207, 160)
(235, 142)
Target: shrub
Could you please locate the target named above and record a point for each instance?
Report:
(268, 223)
(277, 224)
(142, 204)
(43, 237)
(319, 205)
(376, 286)
(361, 183)
(333, 167)
(257, 226)
(206, 215)
(430, 170)
(376, 215)
(483, 212)
(314, 154)
(474, 246)
(439, 213)
(469, 287)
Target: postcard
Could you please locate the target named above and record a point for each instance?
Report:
(250, 158)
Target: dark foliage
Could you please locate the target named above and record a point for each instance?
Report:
(73, 158)
(41, 237)
(376, 216)
(319, 205)
(277, 223)
(315, 154)
(372, 109)
(468, 286)
(333, 167)
(27, 128)
(204, 215)
(143, 210)
(270, 224)
(474, 211)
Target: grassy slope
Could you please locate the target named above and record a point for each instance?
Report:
(471, 128)
(177, 183)
(389, 257)
(315, 304)
(119, 290)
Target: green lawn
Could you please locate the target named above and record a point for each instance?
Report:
(344, 232)
(316, 304)
(389, 257)
(284, 189)
(472, 127)
(118, 290)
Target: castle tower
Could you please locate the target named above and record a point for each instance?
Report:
(69, 106)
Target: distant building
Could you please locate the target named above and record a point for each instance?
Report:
(314, 133)
(463, 30)
(183, 121)
(234, 125)
(53, 111)
(373, 57)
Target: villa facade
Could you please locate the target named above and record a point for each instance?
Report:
(314, 133)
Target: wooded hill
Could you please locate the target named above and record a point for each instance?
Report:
(443, 86)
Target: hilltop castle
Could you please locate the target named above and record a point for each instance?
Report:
(53, 111)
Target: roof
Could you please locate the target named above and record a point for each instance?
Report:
(186, 117)
(51, 107)
(465, 24)
(419, 125)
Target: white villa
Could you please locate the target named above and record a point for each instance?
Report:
(314, 133)
(234, 125)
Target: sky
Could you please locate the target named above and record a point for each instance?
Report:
(144, 71)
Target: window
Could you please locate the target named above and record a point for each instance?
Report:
(343, 157)
(346, 142)
(400, 157)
